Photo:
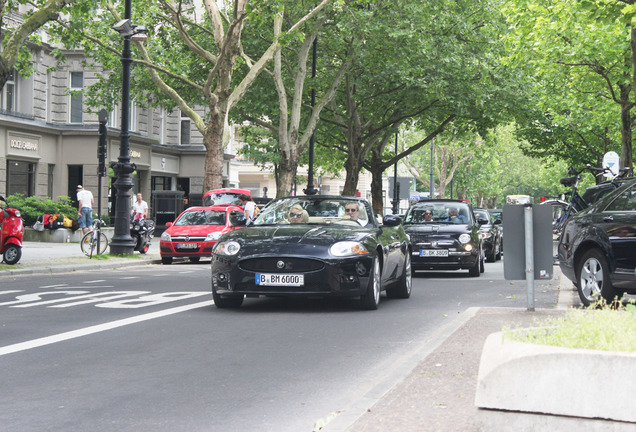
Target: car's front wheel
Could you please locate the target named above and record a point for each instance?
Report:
(227, 302)
(371, 297)
(403, 287)
(474, 271)
(593, 279)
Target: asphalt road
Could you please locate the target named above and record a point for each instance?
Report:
(144, 349)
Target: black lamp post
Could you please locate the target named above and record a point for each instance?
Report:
(396, 186)
(311, 190)
(122, 243)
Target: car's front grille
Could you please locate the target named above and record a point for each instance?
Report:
(186, 238)
(281, 265)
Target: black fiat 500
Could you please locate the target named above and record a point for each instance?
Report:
(597, 250)
(444, 236)
(313, 246)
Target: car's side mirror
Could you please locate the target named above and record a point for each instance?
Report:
(482, 221)
(237, 218)
(391, 220)
(169, 224)
(498, 221)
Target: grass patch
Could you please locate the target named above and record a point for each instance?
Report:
(604, 329)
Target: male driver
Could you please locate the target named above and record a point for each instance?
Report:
(85, 213)
(353, 211)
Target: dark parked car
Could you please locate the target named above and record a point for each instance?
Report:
(597, 250)
(498, 214)
(313, 246)
(490, 233)
(442, 241)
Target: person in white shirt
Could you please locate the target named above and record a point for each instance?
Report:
(85, 202)
(139, 208)
(249, 207)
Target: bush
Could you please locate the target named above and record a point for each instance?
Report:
(33, 207)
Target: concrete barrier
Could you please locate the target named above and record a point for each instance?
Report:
(60, 235)
(588, 385)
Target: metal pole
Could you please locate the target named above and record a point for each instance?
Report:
(528, 222)
(432, 185)
(122, 243)
(396, 190)
(310, 175)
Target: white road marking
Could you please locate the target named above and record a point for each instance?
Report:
(54, 286)
(23, 346)
(129, 277)
(95, 281)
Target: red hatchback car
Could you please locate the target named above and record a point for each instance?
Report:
(195, 231)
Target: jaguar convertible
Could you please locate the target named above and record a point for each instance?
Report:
(313, 246)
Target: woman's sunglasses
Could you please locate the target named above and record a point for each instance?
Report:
(295, 215)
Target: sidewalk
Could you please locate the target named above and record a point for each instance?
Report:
(40, 257)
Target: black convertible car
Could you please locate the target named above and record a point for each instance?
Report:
(313, 246)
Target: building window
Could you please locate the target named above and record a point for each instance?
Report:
(49, 176)
(20, 178)
(112, 118)
(132, 126)
(9, 93)
(161, 183)
(76, 97)
(184, 130)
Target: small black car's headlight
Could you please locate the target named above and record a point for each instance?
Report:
(347, 248)
(464, 238)
(228, 248)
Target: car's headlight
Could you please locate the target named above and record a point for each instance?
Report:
(347, 248)
(228, 248)
(165, 236)
(464, 238)
(213, 236)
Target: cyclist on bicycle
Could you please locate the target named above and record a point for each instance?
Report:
(85, 213)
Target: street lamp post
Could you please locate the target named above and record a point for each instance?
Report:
(396, 186)
(122, 243)
(311, 190)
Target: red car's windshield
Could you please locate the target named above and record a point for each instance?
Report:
(201, 217)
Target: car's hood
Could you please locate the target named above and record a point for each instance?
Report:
(193, 230)
(283, 238)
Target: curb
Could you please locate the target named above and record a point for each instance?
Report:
(53, 269)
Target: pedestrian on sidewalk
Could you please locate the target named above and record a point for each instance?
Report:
(85, 202)
(139, 208)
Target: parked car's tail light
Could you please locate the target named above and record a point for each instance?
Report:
(464, 238)
(213, 236)
(228, 248)
(165, 236)
(348, 248)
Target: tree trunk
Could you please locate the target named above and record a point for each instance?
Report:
(353, 166)
(626, 128)
(213, 141)
(377, 172)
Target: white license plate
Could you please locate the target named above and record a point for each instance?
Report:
(267, 279)
(434, 252)
(187, 246)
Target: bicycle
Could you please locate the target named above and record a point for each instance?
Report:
(572, 202)
(95, 240)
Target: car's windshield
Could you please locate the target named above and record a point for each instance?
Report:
(438, 212)
(201, 217)
(315, 210)
(221, 198)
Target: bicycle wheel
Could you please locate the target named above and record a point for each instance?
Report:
(561, 211)
(89, 244)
